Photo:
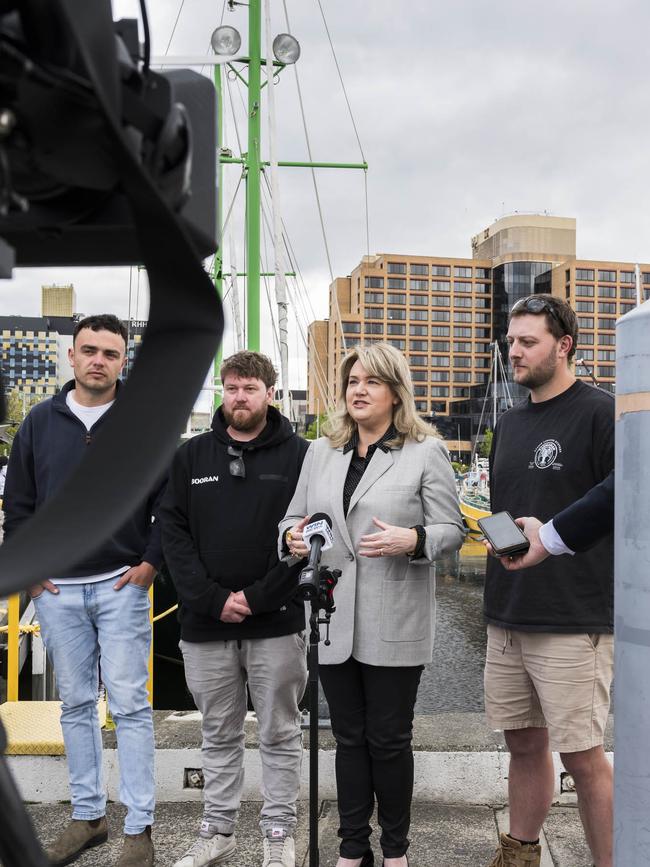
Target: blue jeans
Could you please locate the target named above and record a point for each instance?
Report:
(80, 625)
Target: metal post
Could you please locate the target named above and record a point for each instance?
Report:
(253, 167)
(218, 256)
(632, 590)
(13, 644)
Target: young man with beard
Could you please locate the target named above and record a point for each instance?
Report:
(240, 621)
(99, 611)
(550, 643)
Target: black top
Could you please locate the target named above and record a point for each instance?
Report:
(586, 521)
(544, 457)
(47, 448)
(220, 531)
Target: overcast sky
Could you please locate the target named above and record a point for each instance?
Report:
(466, 109)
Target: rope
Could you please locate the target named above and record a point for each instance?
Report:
(164, 614)
(180, 9)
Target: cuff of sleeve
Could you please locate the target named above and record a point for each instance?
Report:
(552, 541)
(419, 545)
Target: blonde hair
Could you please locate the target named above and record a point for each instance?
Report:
(389, 365)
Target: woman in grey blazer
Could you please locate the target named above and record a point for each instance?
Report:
(384, 477)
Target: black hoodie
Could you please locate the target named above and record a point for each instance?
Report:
(220, 531)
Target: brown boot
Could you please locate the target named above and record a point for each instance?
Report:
(137, 850)
(78, 836)
(512, 853)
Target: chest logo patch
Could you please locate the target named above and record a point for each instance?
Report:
(204, 479)
(546, 454)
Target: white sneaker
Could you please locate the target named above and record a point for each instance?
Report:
(279, 849)
(208, 851)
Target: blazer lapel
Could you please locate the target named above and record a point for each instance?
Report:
(337, 481)
(380, 462)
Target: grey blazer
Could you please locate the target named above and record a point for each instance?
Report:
(385, 607)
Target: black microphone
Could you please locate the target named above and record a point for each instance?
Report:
(318, 535)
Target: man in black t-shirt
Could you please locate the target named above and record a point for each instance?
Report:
(550, 643)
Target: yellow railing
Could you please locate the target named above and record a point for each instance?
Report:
(14, 630)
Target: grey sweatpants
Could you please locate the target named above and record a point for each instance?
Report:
(276, 672)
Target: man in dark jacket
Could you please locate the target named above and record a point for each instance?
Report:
(240, 620)
(99, 611)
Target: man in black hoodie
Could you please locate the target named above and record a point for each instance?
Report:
(99, 610)
(240, 620)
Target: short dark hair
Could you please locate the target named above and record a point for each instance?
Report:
(102, 322)
(250, 365)
(561, 320)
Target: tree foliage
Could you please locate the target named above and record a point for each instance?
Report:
(486, 446)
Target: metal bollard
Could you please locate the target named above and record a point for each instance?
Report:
(13, 646)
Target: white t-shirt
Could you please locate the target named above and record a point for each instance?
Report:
(88, 415)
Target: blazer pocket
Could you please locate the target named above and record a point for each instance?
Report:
(406, 609)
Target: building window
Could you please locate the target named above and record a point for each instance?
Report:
(607, 307)
(374, 283)
(626, 276)
(584, 274)
(421, 315)
(374, 328)
(482, 317)
(439, 376)
(606, 355)
(440, 316)
(463, 376)
(462, 287)
(625, 308)
(441, 301)
(482, 332)
(418, 360)
(395, 313)
(445, 271)
(463, 361)
(605, 370)
(396, 283)
(627, 292)
(440, 286)
(419, 285)
(462, 347)
(396, 267)
(460, 316)
(483, 288)
(584, 307)
(585, 322)
(462, 301)
(607, 291)
(417, 268)
(419, 345)
(439, 330)
(607, 276)
(645, 277)
(418, 330)
(396, 298)
(421, 405)
(586, 339)
(483, 302)
(398, 344)
(439, 391)
(607, 323)
(585, 291)
(482, 272)
(438, 406)
(607, 340)
(374, 313)
(352, 328)
(462, 332)
(419, 300)
(395, 328)
(462, 272)
(460, 391)
(419, 375)
(420, 390)
(374, 297)
(440, 346)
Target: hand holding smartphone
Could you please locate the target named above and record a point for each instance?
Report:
(503, 534)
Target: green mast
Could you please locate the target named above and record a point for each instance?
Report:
(253, 169)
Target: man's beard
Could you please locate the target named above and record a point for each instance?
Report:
(541, 374)
(249, 420)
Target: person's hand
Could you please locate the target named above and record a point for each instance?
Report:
(234, 611)
(389, 541)
(38, 589)
(534, 555)
(240, 598)
(294, 540)
(141, 575)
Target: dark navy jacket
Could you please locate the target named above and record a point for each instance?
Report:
(47, 448)
(586, 521)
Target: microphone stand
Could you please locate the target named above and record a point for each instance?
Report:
(321, 596)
